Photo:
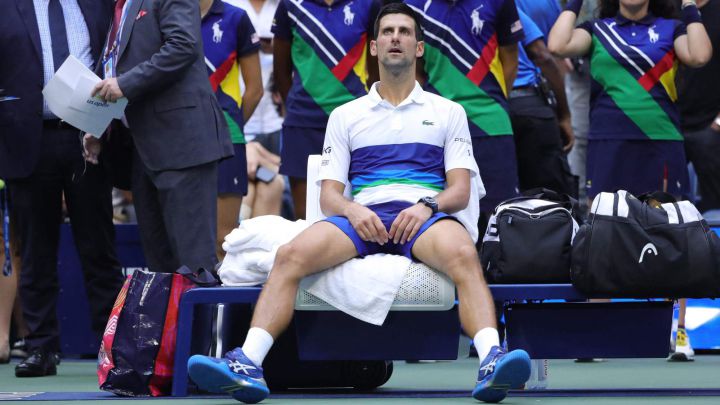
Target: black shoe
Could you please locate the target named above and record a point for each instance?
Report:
(40, 363)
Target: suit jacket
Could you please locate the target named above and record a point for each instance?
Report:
(174, 117)
(21, 75)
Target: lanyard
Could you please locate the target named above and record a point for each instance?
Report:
(113, 48)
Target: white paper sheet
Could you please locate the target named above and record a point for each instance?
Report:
(68, 94)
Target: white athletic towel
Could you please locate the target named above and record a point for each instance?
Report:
(363, 288)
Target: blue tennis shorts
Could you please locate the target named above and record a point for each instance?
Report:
(232, 173)
(638, 166)
(296, 145)
(387, 213)
(496, 159)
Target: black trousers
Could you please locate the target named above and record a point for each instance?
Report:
(37, 214)
(538, 145)
(703, 150)
(177, 215)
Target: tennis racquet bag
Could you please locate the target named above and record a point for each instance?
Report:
(646, 247)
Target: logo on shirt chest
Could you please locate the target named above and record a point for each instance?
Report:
(348, 13)
(653, 35)
(477, 22)
(217, 32)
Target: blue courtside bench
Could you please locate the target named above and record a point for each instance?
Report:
(547, 330)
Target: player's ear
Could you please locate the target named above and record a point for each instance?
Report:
(373, 47)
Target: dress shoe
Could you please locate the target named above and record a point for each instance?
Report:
(40, 363)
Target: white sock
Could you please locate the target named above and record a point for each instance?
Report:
(484, 341)
(257, 345)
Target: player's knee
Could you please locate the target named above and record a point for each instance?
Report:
(466, 263)
(289, 261)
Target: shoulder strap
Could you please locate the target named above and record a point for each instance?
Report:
(202, 277)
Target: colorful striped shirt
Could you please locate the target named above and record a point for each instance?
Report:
(329, 53)
(633, 66)
(462, 59)
(228, 35)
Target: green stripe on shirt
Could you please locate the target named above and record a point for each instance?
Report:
(236, 133)
(630, 97)
(481, 109)
(317, 79)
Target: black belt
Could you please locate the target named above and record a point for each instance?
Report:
(57, 124)
(527, 91)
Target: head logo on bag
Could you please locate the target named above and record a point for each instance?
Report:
(649, 248)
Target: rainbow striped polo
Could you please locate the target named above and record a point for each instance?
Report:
(329, 53)
(633, 67)
(461, 57)
(227, 35)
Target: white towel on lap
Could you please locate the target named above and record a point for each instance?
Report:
(363, 288)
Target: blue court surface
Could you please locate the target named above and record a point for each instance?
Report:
(615, 381)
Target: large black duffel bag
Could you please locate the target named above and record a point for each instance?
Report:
(651, 246)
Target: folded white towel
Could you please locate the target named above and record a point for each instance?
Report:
(363, 288)
(264, 232)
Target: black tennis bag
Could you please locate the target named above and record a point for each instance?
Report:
(645, 247)
(528, 239)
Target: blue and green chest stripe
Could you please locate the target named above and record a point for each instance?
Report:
(414, 164)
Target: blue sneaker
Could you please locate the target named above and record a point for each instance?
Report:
(500, 372)
(234, 374)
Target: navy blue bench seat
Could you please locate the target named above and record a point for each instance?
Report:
(547, 330)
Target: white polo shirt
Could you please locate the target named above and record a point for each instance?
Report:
(388, 153)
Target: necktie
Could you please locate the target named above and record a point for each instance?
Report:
(116, 23)
(56, 20)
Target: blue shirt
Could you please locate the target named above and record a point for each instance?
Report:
(462, 57)
(329, 55)
(527, 74)
(228, 35)
(78, 38)
(542, 12)
(633, 66)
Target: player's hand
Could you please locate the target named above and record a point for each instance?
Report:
(408, 222)
(367, 224)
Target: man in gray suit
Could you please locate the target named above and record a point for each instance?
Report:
(154, 57)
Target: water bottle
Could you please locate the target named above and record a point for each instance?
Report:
(538, 375)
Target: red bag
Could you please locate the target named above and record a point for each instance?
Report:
(161, 380)
(137, 351)
(105, 359)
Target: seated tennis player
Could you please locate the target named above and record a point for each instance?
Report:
(408, 156)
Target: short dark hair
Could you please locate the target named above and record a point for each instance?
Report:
(396, 7)
(659, 8)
